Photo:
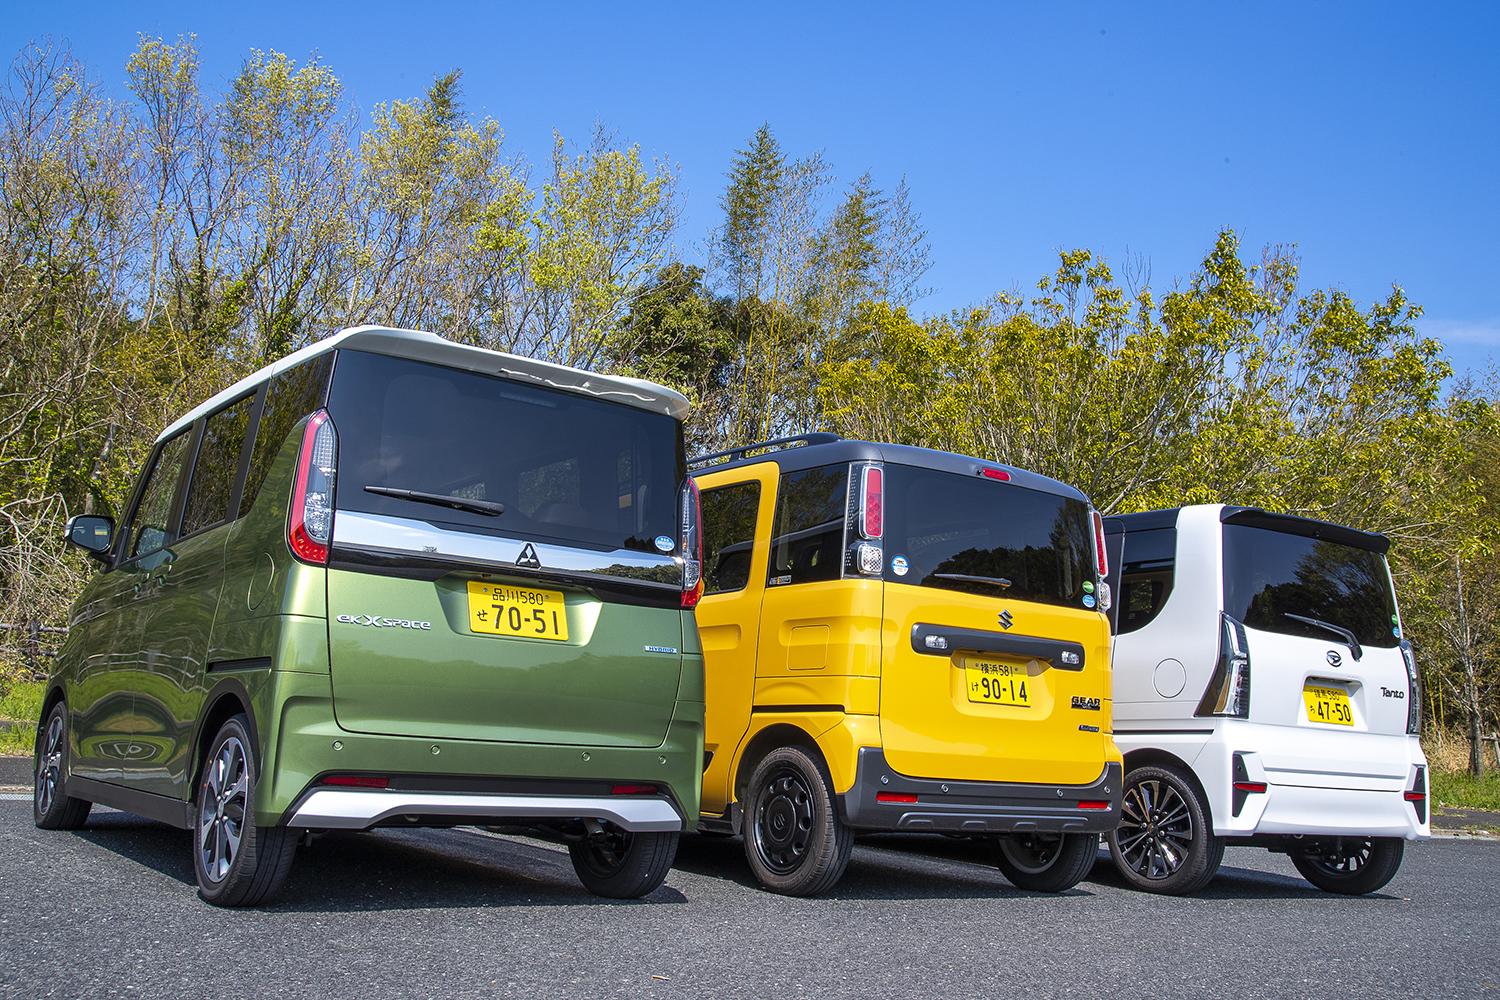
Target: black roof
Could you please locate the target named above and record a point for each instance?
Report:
(812, 450)
(1257, 518)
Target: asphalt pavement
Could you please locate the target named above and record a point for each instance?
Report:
(112, 910)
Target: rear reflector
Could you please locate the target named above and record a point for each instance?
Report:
(1093, 804)
(999, 475)
(1250, 786)
(895, 798)
(632, 790)
(357, 781)
(1414, 796)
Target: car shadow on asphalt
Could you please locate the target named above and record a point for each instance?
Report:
(384, 869)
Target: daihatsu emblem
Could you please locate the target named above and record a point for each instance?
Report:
(1006, 621)
(1333, 658)
(527, 559)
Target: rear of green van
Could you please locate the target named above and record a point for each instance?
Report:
(510, 571)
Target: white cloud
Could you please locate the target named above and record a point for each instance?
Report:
(1479, 332)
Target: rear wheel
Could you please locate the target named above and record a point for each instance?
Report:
(621, 865)
(794, 840)
(237, 862)
(1351, 867)
(1047, 862)
(51, 806)
(1164, 842)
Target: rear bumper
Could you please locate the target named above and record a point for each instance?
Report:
(976, 807)
(347, 809)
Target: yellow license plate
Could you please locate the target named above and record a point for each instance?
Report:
(1328, 705)
(995, 683)
(500, 609)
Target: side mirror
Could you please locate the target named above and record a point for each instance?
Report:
(94, 533)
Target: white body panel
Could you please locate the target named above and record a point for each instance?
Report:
(1321, 779)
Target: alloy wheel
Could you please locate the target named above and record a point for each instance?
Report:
(49, 764)
(1156, 829)
(783, 824)
(1343, 859)
(223, 804)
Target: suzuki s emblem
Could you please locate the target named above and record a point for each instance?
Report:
(1006, 621)
(1333, 658)
(527, 559)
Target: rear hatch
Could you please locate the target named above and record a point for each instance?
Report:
(1323, 639)
(540, 602)
(998, 666)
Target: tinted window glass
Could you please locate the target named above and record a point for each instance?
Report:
(217, 466)
(290, 396)
(1149, 559)
(1271, 574)
(150, 527)
(807, 541)
(566, 467)
(728, 536)
(948, 527)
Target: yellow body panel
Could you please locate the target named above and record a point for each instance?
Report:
(833, 659)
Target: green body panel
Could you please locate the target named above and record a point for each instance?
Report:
(92, 660)
(600, 687)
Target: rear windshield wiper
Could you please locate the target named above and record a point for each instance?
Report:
(1338, 630)
(485, 507)
(993, 581)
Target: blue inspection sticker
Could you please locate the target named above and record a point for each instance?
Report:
(664, 543)
(900, 566)
(1088, 600)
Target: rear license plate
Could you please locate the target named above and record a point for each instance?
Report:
(1329, 705)
(500, 609)
(994, 683)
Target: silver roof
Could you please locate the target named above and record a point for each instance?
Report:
(421, 346)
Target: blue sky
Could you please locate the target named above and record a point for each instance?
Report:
(1366, 134)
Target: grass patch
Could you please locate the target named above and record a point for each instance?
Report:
(1460, 790)
(20, 705)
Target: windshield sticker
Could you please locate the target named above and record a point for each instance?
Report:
(900, 566)
(1088, 600)
(664, 543)
(1088, 586)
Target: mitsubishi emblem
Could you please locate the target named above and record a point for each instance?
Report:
(527, 559)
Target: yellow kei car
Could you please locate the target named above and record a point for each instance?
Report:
(902, 639)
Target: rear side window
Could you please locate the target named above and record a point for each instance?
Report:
(1149, 560)
(807, 543)
(290, 396)
(217, 466)
(566, 467)
(1269, 575)
(729, 536)
(150, 527)
(964, 533)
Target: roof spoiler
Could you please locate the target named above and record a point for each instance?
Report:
(1307, 527)
(775, 444)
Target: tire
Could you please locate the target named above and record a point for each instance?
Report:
(1352, 867)
(236, 862)
(620, 865)
(1046, 862)
(1165, 842)
(794, 839)
(51, 806)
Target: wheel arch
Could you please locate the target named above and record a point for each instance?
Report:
(228, 699)
(776, 735)
(1157, 757)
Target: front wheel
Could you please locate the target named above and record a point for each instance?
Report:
(794, 840)
(1047, 862)
(1351, 867)
(51, 806)
(1164, 842)
(237, 862)
(620, 865)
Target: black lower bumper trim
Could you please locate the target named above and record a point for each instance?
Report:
(976, 806)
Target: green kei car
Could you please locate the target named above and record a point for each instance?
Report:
(391, 580)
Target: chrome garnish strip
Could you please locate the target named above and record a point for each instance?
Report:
(399, 536)
(339, 809)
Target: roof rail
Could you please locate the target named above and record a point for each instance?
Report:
(775, 444)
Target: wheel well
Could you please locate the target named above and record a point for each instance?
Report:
(1157, 757)
(768, 739)
(54, 695)
(226, 707)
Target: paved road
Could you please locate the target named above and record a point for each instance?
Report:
(447, 913)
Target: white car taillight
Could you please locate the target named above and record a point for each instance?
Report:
(1413, 689)
(1228, 691)
(690, 544)
(309, 527)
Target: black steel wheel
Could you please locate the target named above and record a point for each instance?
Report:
(1047, 862)
(794, 839)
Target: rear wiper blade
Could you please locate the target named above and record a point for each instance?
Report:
(485, 507)
(1338, 630)
(993, 581)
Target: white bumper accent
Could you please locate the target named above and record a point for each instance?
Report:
(349, 809)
